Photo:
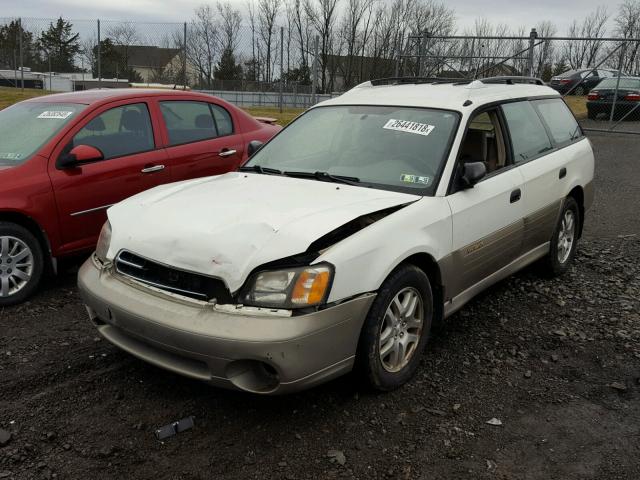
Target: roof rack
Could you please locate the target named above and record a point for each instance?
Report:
(512, 80)
(405, 80)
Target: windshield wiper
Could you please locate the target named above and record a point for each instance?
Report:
(326, 176)
(260, 169)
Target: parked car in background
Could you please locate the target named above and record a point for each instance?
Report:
(66, 158)
(579, 82)
(600, 101)
(340, 242)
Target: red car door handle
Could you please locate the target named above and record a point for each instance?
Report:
(152, 168)
(225, 152)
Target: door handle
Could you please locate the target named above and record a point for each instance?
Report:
(225, 152)
(563, 173)
(152, 168)
(515, 196)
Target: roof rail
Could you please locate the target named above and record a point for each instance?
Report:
(512, 80)
(407, 80)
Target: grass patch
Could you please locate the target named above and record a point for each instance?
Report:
(283, 118)
(578, 105)
(9, 96)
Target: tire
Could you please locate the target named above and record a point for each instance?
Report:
(560, 257)
(591, 115)
(18, 246)
(380, 372)
(579, 91)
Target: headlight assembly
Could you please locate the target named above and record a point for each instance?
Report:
(289, 288)
(103, 241)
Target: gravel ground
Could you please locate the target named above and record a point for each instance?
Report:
(554, 362)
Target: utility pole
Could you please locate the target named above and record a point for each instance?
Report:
(184, 73)
(314, 78)
(99, 58)
(532, 41)
(21, 54)
(280, 99)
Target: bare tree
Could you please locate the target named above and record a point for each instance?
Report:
(267, 14)
(581, 54)
(202, 43)
(322, 16)
(628, 26)
(229, 20)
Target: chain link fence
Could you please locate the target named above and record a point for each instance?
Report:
(215, 52)
(68, 55)
(599, 77)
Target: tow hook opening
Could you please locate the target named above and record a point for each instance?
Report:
(253, 376)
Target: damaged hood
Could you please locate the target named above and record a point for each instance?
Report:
(228, 225)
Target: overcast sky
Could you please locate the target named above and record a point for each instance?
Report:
(515, 13)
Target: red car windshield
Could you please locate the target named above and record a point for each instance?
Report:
(26, 127)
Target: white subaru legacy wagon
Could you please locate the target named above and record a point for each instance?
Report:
(339, 243)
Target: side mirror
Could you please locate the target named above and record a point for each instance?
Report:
(253, 147)
(472, 173)
(78, 155)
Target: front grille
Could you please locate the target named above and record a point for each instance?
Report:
(188, 284)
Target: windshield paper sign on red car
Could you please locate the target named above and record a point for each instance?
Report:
(409, 127)
(55, 115)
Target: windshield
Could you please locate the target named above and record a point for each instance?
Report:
(396, 148)
(25, 127)
(625, 83)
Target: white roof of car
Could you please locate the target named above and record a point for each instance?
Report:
(449, 96)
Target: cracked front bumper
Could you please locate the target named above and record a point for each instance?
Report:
(257, 351)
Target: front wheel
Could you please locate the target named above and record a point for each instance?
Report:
(564, 240)
(396, 329)
(21, 263)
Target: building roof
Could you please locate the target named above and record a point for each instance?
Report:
(149, 56)
(450, 96)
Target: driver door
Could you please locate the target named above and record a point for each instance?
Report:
(126, 134)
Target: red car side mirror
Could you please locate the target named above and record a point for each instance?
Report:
(78, 155)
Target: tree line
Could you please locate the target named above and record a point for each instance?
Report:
(356, 40)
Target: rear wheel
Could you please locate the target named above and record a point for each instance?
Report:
(396, 329)
(579, 90)
(21, 263)
(564, 240)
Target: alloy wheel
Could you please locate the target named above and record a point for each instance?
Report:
(16, 265)
(401, 329)
(566, 236)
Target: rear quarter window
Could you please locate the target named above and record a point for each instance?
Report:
(559, 119)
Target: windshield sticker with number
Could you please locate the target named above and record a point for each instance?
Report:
(409, 127)
(55, 115)
(10, 156)
(421, 179)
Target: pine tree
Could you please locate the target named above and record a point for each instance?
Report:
(59, 45)
(227, 68)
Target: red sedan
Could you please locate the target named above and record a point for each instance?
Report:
(66, 158)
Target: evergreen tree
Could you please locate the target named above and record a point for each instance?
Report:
(60, 45)
(10, 46)
(227, 68)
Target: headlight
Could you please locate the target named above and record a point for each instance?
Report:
(103, 241)
(290, 288)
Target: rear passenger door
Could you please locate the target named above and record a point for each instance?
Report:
(538, 149)
(201, 139)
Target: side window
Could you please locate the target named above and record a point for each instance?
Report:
(117, 132)
(561, 122)
(528, 136)
(223, 120)
(188, 122)
(484, 142)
